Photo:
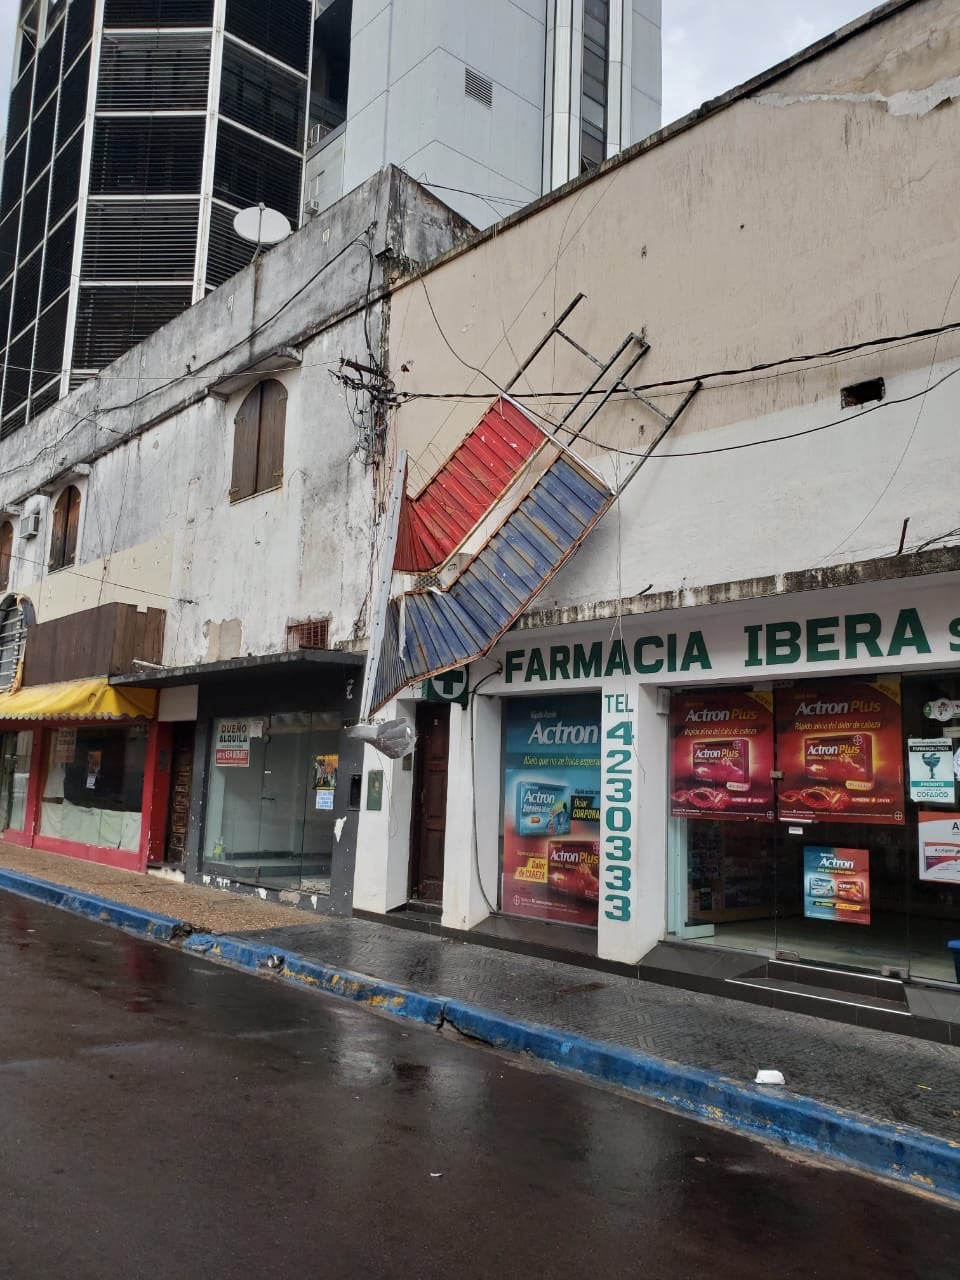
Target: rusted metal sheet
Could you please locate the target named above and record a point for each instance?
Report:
(437, 630)
(467, 486)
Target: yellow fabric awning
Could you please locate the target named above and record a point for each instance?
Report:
(91, 699)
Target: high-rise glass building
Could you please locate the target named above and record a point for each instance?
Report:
(138, 128)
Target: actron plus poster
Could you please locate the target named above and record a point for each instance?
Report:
(551, 808)
(721, 755)
(840, 748)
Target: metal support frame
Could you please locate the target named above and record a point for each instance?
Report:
(619, 385)
(554, 328)
(671, 422)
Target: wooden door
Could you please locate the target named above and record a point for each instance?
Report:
(429, 802)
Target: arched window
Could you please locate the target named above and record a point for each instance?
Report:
(15, 617)
(6, 553)
(258, 440)
(66, 524)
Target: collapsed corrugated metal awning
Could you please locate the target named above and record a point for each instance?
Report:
(430, 631)
(78, 700)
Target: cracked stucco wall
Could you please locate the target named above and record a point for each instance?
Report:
(816, 212)
(907, 62)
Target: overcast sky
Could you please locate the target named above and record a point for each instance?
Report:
(708, 45)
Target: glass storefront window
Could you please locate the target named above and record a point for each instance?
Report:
(832, 867)
(15, 753)
(269, 813)
(93, 792)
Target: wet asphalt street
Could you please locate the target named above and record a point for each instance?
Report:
(160, 1115)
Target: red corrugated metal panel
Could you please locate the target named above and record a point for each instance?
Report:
(467, 486)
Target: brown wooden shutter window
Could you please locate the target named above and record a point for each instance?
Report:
(66, 526)
(258, 436)
(6, 553)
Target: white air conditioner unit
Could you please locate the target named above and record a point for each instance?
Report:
(314, 207)
(30, 525)
(316, 134)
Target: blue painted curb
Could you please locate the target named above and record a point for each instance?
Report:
(147, 924)
(372, 992)
(896, 1152)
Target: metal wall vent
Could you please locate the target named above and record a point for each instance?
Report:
(281, 28)
(111, 320)
(478, 87)
(249, 169)
(157, 13)
(156, 239)
(227, 253)
(314, 634)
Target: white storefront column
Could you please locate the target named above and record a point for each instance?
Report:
(381, 879)
(471, 849)
(633, 772)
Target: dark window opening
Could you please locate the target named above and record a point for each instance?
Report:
(862, 393)
(66, 525)
(307, 635)
(330, 73)
(593, 87)
(258, 441)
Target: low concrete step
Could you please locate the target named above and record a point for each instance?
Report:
(833, 979)
(817, 994)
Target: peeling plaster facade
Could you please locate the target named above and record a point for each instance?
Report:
(149, 443)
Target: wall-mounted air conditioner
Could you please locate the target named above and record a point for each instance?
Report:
(30, 525)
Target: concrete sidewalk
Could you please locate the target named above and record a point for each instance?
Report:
(890, 1079)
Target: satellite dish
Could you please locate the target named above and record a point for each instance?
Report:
(261, 225)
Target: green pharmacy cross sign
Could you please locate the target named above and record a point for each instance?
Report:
(450, 686)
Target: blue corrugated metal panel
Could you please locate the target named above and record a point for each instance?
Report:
(443, 629)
